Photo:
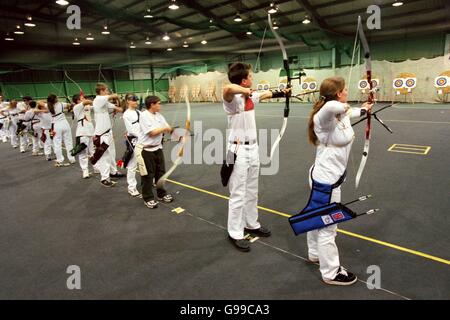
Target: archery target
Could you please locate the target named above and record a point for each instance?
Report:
(312, 86)
(305, 85)
(260, 87)
(281, 86)
(375, 83)
(442, 81)
(398, 83)
(363, 84)
(266, 87)
(411, 83)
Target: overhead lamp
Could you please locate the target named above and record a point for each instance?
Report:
(8, 37)
(397, 4)
(275, 26)
(166, 37)
(75, 42)
(62, 2)
(148, 14)
(29, 22)
(204, 41)
(185, 44)
(169, 49)
(237, 18)
(173, 5)
(132, 46)
(147, 41)
(105, 30)
(90, 37)
(249, 32)
(18, 31)
(273, 9)
(306, 20)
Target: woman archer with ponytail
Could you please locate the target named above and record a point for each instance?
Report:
(330, 130)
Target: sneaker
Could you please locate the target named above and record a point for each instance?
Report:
(108, 183)
(86, 174)
(34, 154)
(48, 158)
(61, 164)
(72, 161)
(261, 232)
(313, 259)
(343, 278)
(15, 147)
(22, 151)
(241, 244)
(167, 198)
(134, 193)
(152, 204)
(117, 175)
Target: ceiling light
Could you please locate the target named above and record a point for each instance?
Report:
(397, 4)
(166, 37)
(249, 32)
(237, 18)
(185, 45)
(132, 46)
(8, 37)
(169, 49)
(148, 14)
(275, 26)
(29, 22)
(204, 41)
(147, 41)
(273, 9)
(306, 20)
(90, 37)
(173, 5)
(105, 30)
(18, 31)
(75, 42)
(62, 2)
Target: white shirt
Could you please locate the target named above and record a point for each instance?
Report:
(149, 122)
(241, 117)
(22, 107)
(101, 114)
(83, 117)
(46, 120)
(130, 117)
(32, 120)
(335, 134)
(59, 115)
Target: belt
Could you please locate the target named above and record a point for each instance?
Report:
(245, 143)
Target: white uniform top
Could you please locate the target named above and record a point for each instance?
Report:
(149, 122)
(32, 119)
(22, 107)
(335, 136)
(59, 115)
(46, 120)
(241, 118)
(101, 114)
(83, 117)
(12, 113)
(131, 118)
(3, 107)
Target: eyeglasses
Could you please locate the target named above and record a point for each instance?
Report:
(133, 98)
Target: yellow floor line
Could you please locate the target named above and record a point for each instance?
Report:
(348, 233)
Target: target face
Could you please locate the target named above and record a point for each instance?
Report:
(363, 84)
(312, 86)
(398, 83)
(375, 83)
(281, 86)
(259, 87)
(305, 85)
(410, 82)
(266, 87)
(441, 81)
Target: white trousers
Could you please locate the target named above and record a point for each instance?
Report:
(83, 156)
(23, 140)
(104, 163)
(63, 133)
(112, 152)
(243, 185)
(37, 140)
(131, 173)
(48, 143)
(4, 134)
(322, 245)
(12, 134)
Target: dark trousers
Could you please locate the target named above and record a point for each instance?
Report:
(155, 164)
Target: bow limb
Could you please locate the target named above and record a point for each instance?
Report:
(368, 61)
(78, 86)
(286, 68)
(161, 182)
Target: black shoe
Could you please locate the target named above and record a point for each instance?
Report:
(241, 244)
(343, 278)
(261, 232)
(117, 175)
(168, 198)
(108, 184)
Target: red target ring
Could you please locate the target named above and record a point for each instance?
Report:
(441, 81)
(398, 83)
(410, 83)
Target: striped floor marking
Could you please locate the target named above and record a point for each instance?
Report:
(348, 233)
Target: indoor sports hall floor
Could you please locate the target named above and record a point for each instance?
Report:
(51, 219)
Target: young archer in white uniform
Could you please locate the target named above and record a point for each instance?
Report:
(131, 119)
(331, 132)
(239, 103)
(85, 131)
